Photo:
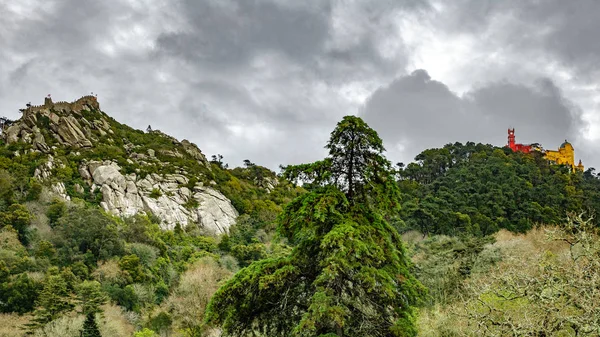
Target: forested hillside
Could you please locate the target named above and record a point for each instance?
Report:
(110, 231)
(506, 243)
(479, 189)
(71, 246)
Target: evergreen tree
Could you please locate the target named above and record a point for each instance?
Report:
(90, 328)
(52, 302)
(90, 297)
(348, 274)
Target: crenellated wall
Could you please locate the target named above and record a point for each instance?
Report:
(77, 105)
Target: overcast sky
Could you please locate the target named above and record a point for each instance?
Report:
(267, 80)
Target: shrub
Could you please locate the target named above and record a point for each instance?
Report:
(545, 285)
(66, 326)
(114, 323)
(109, 272)
(189, 300)
(155, 193)
(146, 253)
(145, 333)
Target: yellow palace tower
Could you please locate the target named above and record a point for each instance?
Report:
(564, 156)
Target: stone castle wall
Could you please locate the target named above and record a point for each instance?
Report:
(77, 105)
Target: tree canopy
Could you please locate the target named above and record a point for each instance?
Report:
(480, 189)
(348, 274)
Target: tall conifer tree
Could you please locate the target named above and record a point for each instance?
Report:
(348, 274)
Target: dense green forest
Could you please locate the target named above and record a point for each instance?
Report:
(346, 246)
(52, 251)
(479, 189)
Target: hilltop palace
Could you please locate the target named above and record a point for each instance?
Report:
(564, 156)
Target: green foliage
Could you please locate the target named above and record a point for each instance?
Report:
(90, 297)
(132, 266)
(90, 327)
(53, 301)
(140, 228)
(355, 165)
(6, 187)
(125, 297)
(17, 216)
(546, 285)
(478, 189)
(348, 274)
(145, 253)
(45, 249)
(443, 263)
(84, 230)
(90, 255)
(55, 211)
(16, 171)
(155, 193)
(336, 265)
(246, 253)
(145, 333)
(17, 294)
(35, 189)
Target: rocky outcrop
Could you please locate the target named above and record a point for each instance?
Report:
(80, 125)
(268, 183)
(215, 210)
(195, 152)
(60, 121)
(39, 142)
(61, 190)
(12, 134)
(167, 197)
(70, 132)
(170, 153)
(44, 171)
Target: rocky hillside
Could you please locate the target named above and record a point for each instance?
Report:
(84, 153)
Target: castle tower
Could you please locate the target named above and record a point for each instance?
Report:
(48, 101)
(511, 139)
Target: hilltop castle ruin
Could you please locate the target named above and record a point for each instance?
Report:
(61, 106)
(61, 121)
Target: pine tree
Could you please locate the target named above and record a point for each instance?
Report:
(53, 301)
(90, 297)
(348, 274)
(90, 328)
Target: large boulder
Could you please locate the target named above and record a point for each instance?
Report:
(11, 133)
(109, 175)
(216, 213)
(70, 132)
(195, 152)
(39, 142)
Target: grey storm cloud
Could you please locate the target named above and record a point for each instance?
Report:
(267, 80)
(415, 112)
(230, 33)
(565, 29)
